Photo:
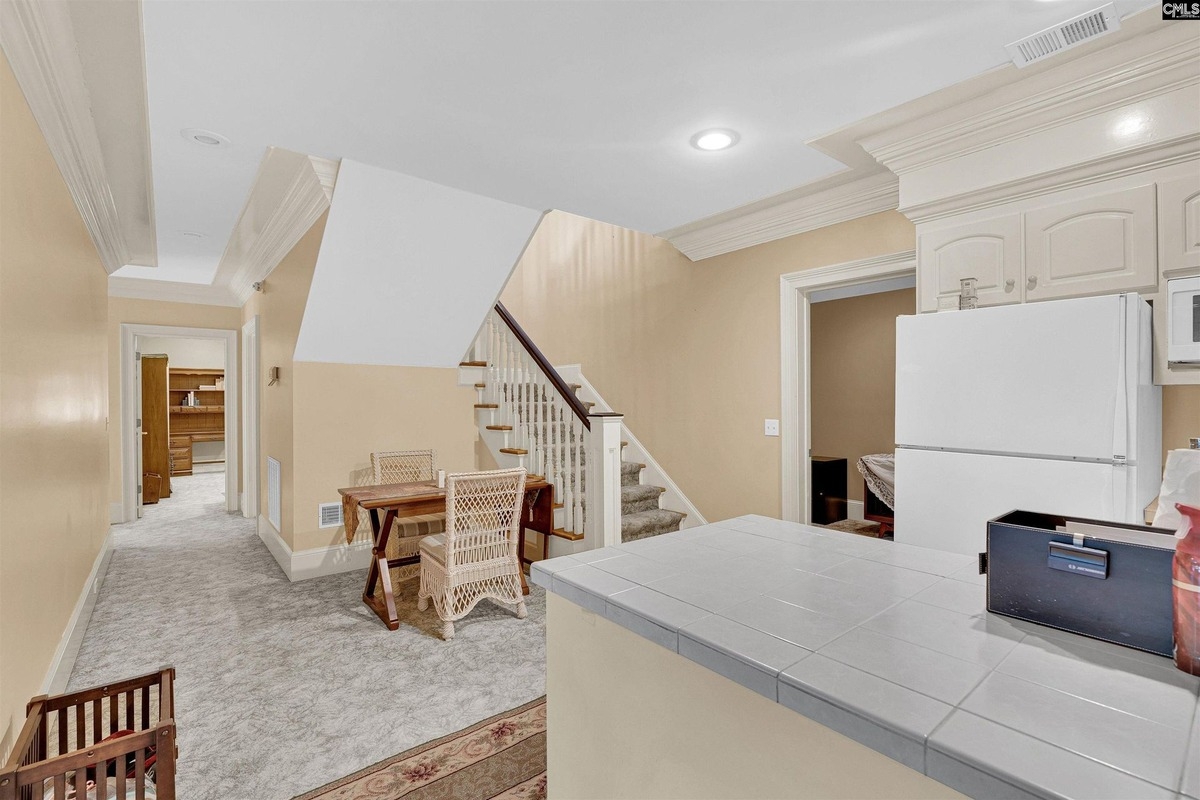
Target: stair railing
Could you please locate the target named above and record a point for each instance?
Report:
(581, 460)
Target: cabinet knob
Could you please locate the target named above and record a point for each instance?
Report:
(1031, 284)
(1009, 285)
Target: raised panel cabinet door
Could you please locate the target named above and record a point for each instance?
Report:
(987, 250)
(1179, 223)
(1103, 244)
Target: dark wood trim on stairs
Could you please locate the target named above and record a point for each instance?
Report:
(544, 365)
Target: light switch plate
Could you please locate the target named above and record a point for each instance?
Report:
(771, 427)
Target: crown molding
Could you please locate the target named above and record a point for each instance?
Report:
(1163, 60)
(1126, 162)
(40, 41)
(171, 291)
(289, 193)
(804, 209)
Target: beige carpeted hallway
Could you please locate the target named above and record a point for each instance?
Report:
(282, 687)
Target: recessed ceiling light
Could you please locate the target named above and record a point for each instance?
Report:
(715, 139)
(202, 137)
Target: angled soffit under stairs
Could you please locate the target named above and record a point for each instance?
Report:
(81, 68)
(407, 270)
(289, 193)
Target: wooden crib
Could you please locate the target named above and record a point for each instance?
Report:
(67, 741)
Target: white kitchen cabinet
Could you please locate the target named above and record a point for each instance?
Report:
(988, 250)
(1179, 223)
(1099, 244)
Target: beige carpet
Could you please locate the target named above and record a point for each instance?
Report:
(501, 758)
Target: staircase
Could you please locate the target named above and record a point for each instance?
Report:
(529, 416)
(642, 515)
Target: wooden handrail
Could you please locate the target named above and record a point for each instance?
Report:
(544, 365)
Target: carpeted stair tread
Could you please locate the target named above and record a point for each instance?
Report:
(630, 473)
(645, 524)
(639, 497)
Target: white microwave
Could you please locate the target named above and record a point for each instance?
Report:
(1183, 320)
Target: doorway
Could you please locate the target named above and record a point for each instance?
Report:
(798, 291)
(200, 367)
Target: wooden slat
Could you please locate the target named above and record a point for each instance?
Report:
(472, 363)
(139, 773)
(560, 533)
(80, 727)
(114, 715)
(487, 405)
(499, 427)
(62, 731)
(514, 451)
(97, 720)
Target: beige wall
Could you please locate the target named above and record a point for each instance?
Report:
(280, 309)
(123, 310)
(344, 412)
(186, 353)
(853, 377)
(1181, 416)
(688, 351)
(677, 729)
(53, 402)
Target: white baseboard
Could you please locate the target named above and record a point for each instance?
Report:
(321, 561)
(116, 513)
(854, 509)
(316, 562)
(68, 648)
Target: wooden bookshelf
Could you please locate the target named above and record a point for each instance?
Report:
(204, 422)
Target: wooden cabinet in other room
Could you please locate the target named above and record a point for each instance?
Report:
(1101, 244)
(828, 489)
(987, 250)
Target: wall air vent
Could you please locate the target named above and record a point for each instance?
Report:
(329, 515)
(1064, 36)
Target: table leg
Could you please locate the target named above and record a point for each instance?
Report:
(378, 570)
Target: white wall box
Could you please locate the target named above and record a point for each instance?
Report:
(1179, 223)
(1101, 244)
(988, 250)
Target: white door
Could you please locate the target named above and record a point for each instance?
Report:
(1036, 379)
(138, 433)
(944, 500)
(250, 419)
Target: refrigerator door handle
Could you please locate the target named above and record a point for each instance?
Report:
(1121, 412)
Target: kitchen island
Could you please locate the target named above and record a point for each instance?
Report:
(755, 657)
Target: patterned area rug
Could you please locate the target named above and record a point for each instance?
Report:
(501, 758)
(861, 527)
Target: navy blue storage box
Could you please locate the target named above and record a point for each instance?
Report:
(1106, 580)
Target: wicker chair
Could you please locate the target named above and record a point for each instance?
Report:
(477, 556)
(404, 466)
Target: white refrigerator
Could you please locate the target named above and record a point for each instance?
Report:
(1045, 407)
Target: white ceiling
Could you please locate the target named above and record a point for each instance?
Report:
(585, 107)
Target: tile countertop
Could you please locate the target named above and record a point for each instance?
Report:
(891, 645)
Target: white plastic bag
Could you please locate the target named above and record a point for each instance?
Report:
(1180, 484)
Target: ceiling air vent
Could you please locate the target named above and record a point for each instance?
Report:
(329, 514)
(1064, 36)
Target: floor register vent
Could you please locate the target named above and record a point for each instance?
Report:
(329, 515)
(1064, 36)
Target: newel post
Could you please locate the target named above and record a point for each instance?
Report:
(604, 478)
